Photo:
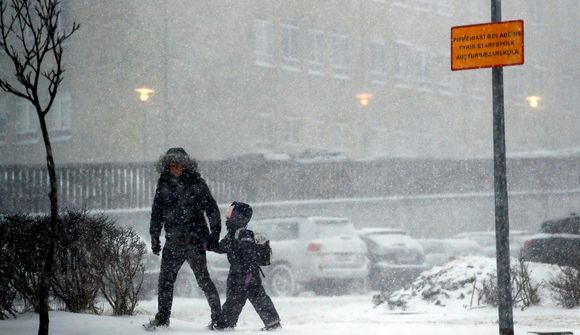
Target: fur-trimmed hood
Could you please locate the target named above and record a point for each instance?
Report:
(176, 155)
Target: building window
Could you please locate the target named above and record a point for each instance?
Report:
(264, 39)
(59, 118)
(568, 89)
(290, 59)
(378, 70)
(445, 7)
(377, 140)
(64, 21)
(3, 121)
(423, 69)
(265, 129)
(341, 135)
(537, 12)
(403, 56)
(26, 122)
(567, 11)
(316, 58)
(340, 60)
(317, 127)
(290, 131)
(444, 72)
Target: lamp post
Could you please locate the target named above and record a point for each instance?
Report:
(144, 95)
(363, 100)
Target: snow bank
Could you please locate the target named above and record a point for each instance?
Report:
(458, 284)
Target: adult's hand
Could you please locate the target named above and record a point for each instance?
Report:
(156, 246)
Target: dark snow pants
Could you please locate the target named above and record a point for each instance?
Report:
(171, 261)
(236, 295)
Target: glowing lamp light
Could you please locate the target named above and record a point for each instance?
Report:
(364, 99)
(144, 93)
(534, 101)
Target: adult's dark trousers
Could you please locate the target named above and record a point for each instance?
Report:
(236, 295)
(171, 261)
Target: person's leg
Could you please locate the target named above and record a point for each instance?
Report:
(236, 296)
(171, 261)
(263, 304)
(198, 263)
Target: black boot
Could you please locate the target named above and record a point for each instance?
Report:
(156, 323)
(273, 326)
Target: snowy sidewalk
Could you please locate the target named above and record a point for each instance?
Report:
(309, 315)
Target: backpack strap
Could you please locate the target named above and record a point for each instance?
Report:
(237, 233)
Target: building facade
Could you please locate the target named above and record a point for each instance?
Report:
(242, 77)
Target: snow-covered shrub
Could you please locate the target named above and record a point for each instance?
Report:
(123, 270)
(566, 287)
(78, 264)
(23, 254)
(93, 256)
(7, 291)
(525, 292)
(487, 293)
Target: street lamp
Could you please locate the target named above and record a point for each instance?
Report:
(533, 101)
(144, 93)
(364, 99)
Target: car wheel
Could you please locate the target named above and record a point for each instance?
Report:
(282, 281)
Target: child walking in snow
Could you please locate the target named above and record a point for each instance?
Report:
(244, 280)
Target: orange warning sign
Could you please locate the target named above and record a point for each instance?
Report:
(487, 45)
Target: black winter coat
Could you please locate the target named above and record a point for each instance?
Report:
(179, 206)
(240, 248)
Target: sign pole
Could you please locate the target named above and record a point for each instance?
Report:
(506, 326)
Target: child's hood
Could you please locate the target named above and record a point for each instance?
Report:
(241, 215)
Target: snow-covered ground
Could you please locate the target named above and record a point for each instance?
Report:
(356, 314)
(309, 315)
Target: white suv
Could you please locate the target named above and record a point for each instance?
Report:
(307, 252)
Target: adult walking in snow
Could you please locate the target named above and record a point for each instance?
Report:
(181, 200)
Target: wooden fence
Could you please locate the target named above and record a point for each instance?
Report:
(131, 185)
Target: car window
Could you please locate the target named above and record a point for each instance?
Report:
(333, 228)
(569, 226)
(433, 247)
(277, 231)
(389, 239)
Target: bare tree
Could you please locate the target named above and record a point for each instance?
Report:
(32, 38)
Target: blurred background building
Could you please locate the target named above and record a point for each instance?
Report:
(366, 79)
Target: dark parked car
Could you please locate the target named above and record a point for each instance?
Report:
(557, 242)
(396, 258)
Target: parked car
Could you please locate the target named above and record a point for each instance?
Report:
(396, 258)
(440, 251)
(318, 253)
(557, 242)
(486, 239)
